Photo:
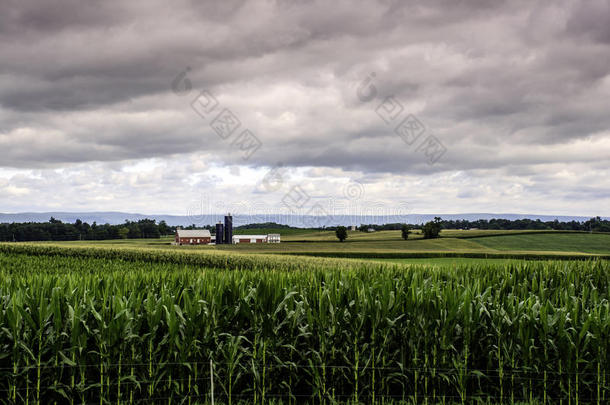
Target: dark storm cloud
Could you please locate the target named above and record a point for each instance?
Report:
(91, 81)
(590, 19)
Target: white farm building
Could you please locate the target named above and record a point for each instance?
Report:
(270, 238)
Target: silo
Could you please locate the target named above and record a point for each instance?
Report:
(219, 233)
(228, 229)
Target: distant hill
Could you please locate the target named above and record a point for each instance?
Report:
(305, 221)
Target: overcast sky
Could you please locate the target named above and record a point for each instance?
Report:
(438, 106)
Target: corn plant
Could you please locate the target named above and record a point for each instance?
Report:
(93, 325)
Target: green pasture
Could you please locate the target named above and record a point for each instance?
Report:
(563, 242)
(389, 244)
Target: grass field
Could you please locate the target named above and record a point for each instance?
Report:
(389, 244)
(452, 241)
(565, 242)
(122, 323)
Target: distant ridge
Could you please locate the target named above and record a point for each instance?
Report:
(292, 220)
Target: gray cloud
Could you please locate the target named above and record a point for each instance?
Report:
(502, 85)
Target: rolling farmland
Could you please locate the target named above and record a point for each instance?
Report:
(478, 243)
(304, 202)
(566, 242)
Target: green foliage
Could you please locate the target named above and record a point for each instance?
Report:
(432, 229)
(341, 233)
(595, 224)
(133, 326)
(405, 231)
(123, 232)
(55, 230)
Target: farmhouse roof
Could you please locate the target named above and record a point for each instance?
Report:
(193, 233)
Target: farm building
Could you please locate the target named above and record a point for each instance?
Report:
(271, 238)
(223, 235)
(192, 237)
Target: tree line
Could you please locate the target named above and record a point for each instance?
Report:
(595, 224)
(56, 230)
(430, 230)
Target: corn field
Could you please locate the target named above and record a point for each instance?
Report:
(109, 326)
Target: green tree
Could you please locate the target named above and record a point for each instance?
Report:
(149, 228)
(134, 230)
(405, 231)
(341, 233)
(164, 229)
(123, 232)
(432, 229)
